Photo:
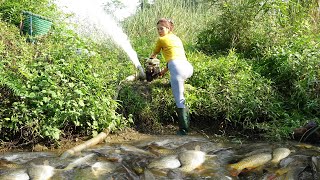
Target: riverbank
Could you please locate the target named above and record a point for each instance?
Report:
(127, 135)
(64, 144)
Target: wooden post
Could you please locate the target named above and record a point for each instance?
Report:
(91, 142)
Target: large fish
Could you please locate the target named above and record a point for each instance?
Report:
(167, 162)
(18, 174)
(204, 146)
(294, 172)
(80, 161)
(191, 159)
(24, 157)
(279, 154)
(40, 172)
(135, 150)
(315, 164)
(5, 164)
(100, 168)
(250, 162)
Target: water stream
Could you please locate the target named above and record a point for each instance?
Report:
(91, 21)
(169, 157)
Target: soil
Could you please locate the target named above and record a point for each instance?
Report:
(64, 144)
(125, 136)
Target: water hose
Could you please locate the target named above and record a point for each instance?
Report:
(142, 74)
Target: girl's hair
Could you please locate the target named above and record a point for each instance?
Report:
(167, 23)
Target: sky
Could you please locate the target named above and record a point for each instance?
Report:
(131, 6)
(120, 14)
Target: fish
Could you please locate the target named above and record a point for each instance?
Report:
(147, 175)
(279, 154)
(40, 172)
(18, 174)
(295, 160)
(24, 157)
(5, 164)
(167, 162)
(100, 168)
(161, 150)
(135, 150)
(80, 161)
(81, 174)
(315, 164)
(191, 159)
(204, 146)
(294, 172)
(250, 162)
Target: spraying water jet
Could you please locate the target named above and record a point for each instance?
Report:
(93, 22)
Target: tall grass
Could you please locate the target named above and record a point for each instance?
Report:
(189, 19)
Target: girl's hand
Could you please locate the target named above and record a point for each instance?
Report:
(163, 72)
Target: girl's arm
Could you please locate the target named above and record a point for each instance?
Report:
(153, 55)
(157, 49)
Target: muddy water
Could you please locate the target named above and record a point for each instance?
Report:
(170, 157)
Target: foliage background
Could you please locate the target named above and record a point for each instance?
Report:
(256, 69)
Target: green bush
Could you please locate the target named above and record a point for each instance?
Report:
(58, 87)
(150, 104)
(294, 70)
(10, 11)
(227, 88)
(251, 26)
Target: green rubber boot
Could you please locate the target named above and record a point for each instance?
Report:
(183, 121)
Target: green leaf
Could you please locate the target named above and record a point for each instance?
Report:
(46, 99)
(81, 103)
(78, 92)
(71, 85)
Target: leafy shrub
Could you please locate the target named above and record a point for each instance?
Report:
(227, 88)
(11, 10)
(56, 88)
(251, 26)
(294, 70)
(150, 104)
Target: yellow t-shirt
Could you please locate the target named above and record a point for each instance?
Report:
(171, 46)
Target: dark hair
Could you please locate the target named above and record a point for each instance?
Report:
(167, 23)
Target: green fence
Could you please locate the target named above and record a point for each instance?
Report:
(34, 25)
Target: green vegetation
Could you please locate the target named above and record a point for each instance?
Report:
(49, 90)
(256, 69)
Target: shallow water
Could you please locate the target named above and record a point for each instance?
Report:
(165, 157)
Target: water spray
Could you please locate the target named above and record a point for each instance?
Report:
(93, 22)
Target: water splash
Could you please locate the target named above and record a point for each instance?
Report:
(93, 22)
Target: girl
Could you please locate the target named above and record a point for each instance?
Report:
(180, 69)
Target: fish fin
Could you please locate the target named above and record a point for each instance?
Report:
(200, 168)
(271, 177)
(233, 171)
(274, 161)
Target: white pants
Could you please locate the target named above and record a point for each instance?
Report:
(180, 70)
